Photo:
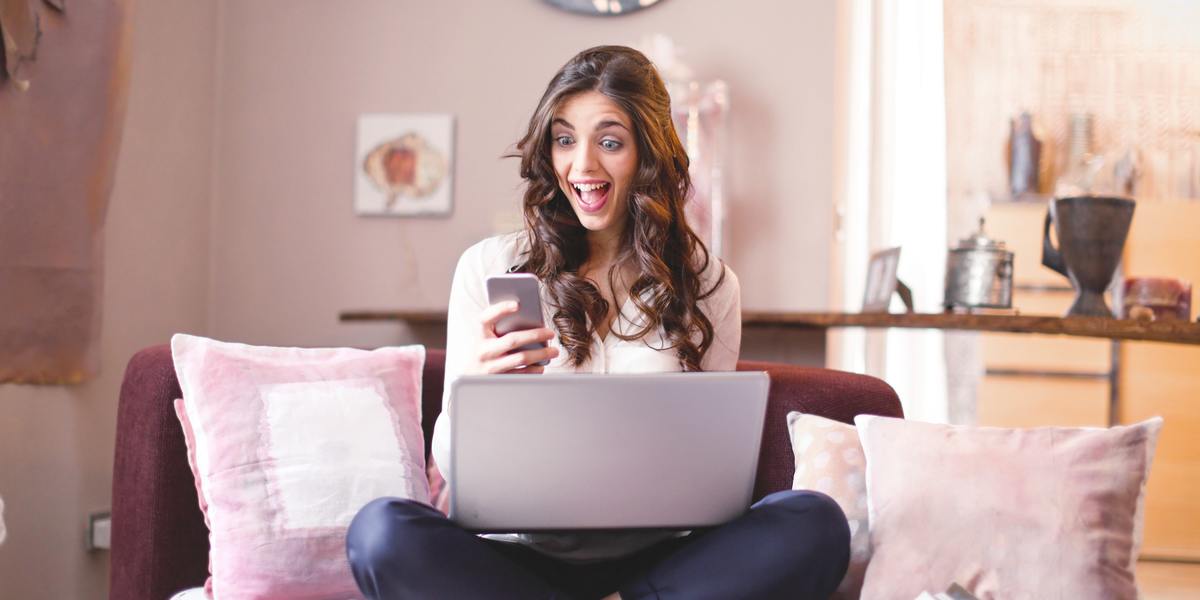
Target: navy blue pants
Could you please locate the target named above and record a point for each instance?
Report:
(792, 545)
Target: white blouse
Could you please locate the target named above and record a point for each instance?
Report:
(495, 256)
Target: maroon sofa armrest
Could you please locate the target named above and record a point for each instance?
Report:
(824, 392)
(159, 541)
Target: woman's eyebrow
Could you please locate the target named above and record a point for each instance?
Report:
(610, 123)
(605, 124)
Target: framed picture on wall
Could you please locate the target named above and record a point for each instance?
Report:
(404, 165)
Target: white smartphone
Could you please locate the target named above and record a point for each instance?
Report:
(523, 288)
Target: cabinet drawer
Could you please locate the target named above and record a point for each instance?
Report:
(1024, 401)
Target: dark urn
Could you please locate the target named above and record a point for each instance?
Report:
(1091, 233)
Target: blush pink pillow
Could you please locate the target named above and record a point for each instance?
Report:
(439, 490)
(287, 444)
(830, 460)
(1006, 513)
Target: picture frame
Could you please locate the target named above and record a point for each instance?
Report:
(881, 280)
(404, 165)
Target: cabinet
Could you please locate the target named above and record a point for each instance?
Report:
(1037, 380)
(1157, 379)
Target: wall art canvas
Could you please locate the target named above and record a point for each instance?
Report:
(404, 165)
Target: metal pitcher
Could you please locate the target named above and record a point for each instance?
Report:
(979, 273)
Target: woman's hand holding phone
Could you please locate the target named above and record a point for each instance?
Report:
(503, 353)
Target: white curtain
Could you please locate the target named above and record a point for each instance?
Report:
(891, 188)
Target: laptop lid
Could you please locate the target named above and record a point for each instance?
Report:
(582, 451)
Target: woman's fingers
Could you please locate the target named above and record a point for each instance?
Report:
(500, 354)
(530, 370)
(491, 314)
(508, 362)
(498, 347)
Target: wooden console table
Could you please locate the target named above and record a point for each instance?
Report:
(1175, 332)
(415, 317)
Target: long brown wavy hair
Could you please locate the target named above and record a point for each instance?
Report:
(667, 257)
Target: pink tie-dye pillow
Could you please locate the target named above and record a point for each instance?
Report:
(439, 490)
(1050, 512)
(287, 444)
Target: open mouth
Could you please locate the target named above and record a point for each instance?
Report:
(592, 195)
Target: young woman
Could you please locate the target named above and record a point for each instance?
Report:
(627, 287)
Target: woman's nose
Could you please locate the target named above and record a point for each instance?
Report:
(585, 158)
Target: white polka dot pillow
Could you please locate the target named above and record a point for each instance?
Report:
(829, 459)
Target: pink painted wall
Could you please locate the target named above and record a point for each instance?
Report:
(288, 252)
(232, 210)
(56, 443)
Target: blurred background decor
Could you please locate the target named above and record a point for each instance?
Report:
(609, 8)
(700, 111)
(20, 34)
(1113, 90)
(1091, 233)
(61, 129)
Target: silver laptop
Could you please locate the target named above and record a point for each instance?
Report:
(575, 451)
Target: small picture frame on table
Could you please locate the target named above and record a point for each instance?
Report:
(882, 282)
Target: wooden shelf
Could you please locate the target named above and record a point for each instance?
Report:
(415, 317)
(1175, 332)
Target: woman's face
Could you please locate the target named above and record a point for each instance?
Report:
(595, 158)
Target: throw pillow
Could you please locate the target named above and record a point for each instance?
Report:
(286, 445)
(439, 489)
(1006, 513)
(830, 460)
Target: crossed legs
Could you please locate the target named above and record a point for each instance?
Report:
(792, 544)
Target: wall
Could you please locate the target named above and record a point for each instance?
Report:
(232, 214)
(288, 253)
(56, 443)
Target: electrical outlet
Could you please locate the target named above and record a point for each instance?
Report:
(99, 531)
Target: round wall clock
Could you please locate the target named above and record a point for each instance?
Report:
(605, 8)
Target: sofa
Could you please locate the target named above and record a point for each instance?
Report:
(159, 539)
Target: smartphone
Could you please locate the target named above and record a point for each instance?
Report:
(523, 288)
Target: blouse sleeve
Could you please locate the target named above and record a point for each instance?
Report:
(467, 300)
(726, 316)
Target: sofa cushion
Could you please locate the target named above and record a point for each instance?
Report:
(192, 594)
(832, 394)
(1006, 513)
(830, 460)
(286, 445)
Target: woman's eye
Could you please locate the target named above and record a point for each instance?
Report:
(563, 140)
(610, 144)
